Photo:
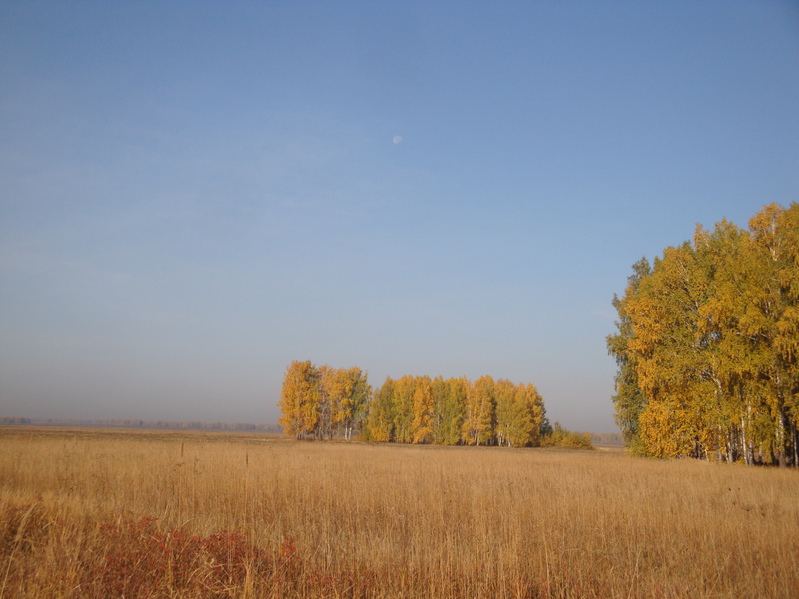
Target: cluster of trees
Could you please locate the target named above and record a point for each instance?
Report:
(708, 343)
(326, 403)
(418, 409)
(320, 402)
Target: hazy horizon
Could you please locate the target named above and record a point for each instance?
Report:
(194, 195)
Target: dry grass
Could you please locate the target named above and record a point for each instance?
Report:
(145, 514)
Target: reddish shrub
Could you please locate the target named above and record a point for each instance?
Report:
(143, 561)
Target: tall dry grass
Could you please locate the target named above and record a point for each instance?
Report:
(145, 514)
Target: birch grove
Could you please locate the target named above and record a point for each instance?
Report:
(321, 402)
(708, 342)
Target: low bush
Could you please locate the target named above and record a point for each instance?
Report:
(560, 437)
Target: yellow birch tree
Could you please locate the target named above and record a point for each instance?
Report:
(299, 399)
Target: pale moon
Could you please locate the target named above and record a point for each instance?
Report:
(397, 139)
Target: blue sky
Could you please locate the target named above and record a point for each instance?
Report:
(195, 194)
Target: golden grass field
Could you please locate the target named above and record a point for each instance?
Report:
(112, 513)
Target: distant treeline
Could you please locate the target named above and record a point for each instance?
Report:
(148, 424)
(320, 402)
(607, 438)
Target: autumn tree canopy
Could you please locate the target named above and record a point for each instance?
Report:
(323, 402)
(708, 342)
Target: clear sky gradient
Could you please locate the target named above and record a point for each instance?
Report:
(192, 195)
